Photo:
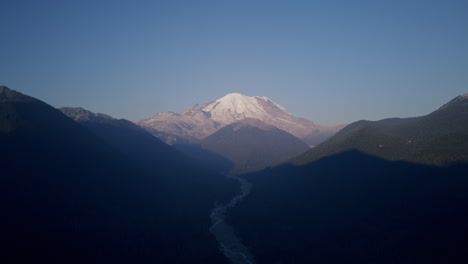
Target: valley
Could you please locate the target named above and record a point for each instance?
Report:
(105, 189)
(229, 243)
(234, 132)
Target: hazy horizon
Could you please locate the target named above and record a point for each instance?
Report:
(330, 62)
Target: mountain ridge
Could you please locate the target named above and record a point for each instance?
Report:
(198, 122)
(128, 138)
(434, 139)
(253, 145)
(72, 197)
(387, 191)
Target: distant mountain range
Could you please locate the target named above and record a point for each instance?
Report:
(198, 122)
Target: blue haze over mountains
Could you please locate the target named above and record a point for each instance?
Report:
(254, 131)
(332, 62)
(81, 187)
(80, 192)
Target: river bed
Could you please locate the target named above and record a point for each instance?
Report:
(230, 245)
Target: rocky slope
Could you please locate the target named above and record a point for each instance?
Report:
(198, 122)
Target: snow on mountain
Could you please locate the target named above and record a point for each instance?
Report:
(235, 106)
(189, 127)
(198, 122)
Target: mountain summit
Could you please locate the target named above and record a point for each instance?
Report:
(235, 106)
(198, 122)
(252, 145)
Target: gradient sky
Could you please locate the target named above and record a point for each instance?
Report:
(330, 61)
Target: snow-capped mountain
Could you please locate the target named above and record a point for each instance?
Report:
(198, 122)
(235, 106)
(189, 127)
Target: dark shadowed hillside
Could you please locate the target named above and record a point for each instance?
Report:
(72, 197)
(438, 138)
(205, 158)
(253, 145)
(146, 150)
(391, 191)
(128, 138)
(355, 208)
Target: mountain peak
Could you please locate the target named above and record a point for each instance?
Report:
(195, 111)
(6, 94)
(252, 145)
(459, 101)
(235, 94)
(461, 97)
(234, 100)
(80, 114)
(236, 106)
(199, 122)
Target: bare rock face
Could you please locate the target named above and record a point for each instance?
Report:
(189, 127)
(198, 122)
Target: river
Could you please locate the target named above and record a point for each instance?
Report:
(229, 244)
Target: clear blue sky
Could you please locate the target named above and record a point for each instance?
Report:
(329, 61)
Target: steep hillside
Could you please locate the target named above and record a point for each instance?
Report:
(131, 140)
(72, 197)
(355, 208)
(438, 138)
(253, 145)
(391, 191)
